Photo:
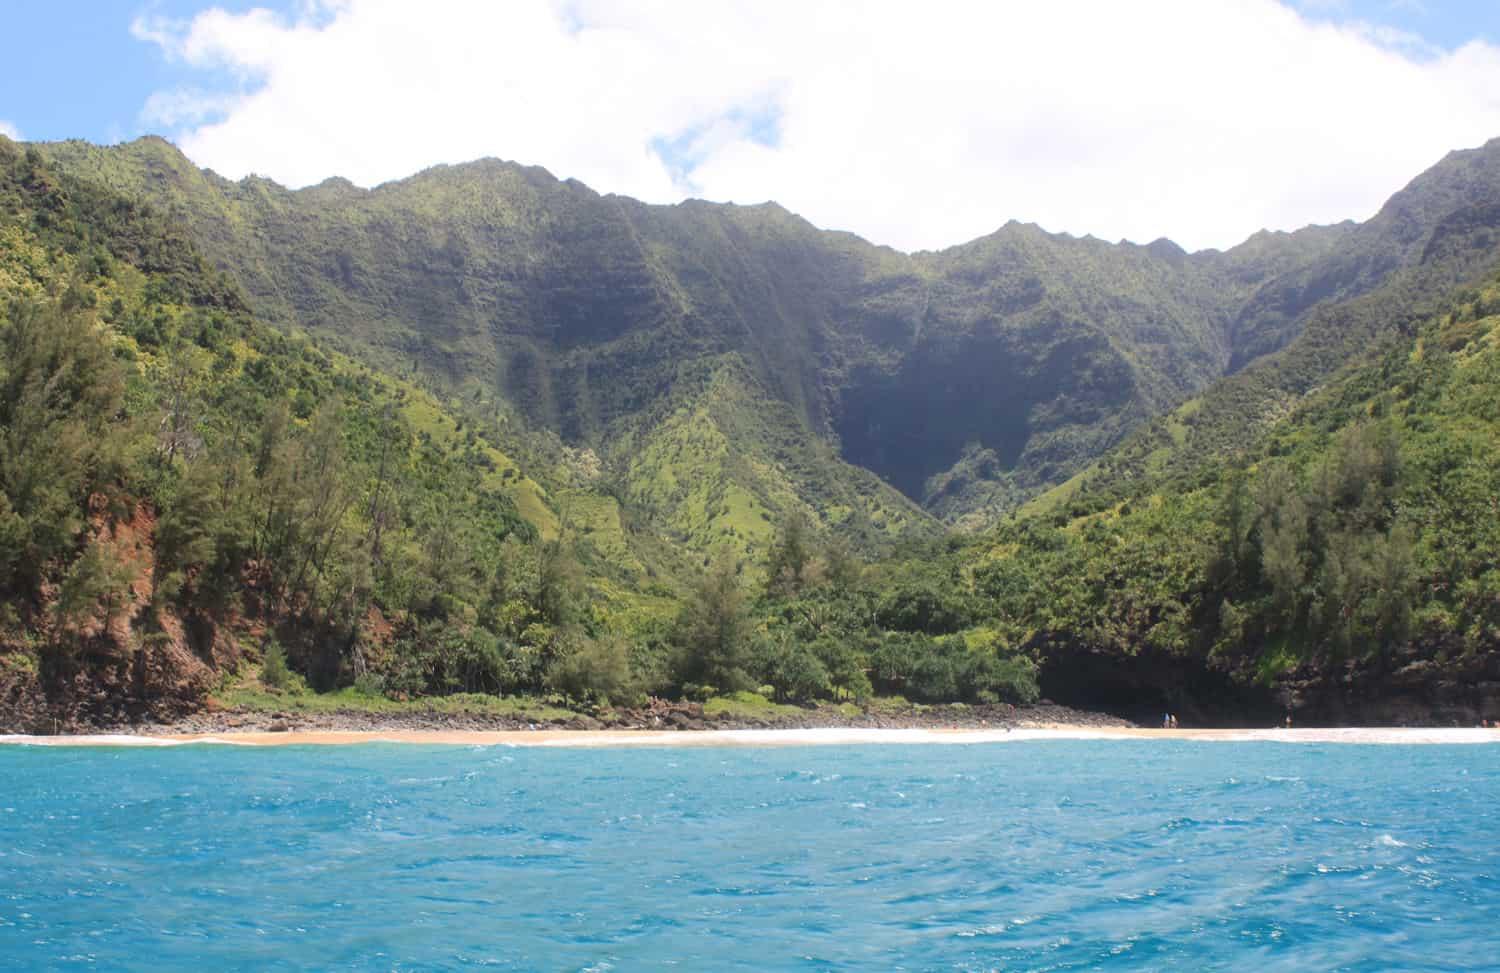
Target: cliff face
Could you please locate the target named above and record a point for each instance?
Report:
(1427, 683)
(1434, 683)
(126, 658)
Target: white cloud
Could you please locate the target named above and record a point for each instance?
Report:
(186, 106)
(913, 125)
(164, 32)
(9, 130)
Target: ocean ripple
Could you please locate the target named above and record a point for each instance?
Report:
(1066, 855)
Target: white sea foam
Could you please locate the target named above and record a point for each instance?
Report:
(794, 737)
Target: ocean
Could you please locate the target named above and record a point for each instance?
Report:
(1056, 855)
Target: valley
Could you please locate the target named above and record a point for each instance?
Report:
(482, 431)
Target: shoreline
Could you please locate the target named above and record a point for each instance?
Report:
(821, 736)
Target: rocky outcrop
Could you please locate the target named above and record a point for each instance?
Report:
(1425, 684)
(129, 660)
(1432, 683)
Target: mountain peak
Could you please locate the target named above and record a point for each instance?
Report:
(1167, 250)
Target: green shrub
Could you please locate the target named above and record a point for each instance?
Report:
(369, 684)
(274, 671)
(587, 669)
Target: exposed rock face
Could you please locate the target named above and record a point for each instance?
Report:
(23, 703)
(1422, 685)
(129, 661)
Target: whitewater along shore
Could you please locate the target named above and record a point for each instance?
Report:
(826, 736)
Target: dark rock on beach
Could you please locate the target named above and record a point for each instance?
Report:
(661, 715)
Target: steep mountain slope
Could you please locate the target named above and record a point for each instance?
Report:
(1439, 234)
(1037, 351)
(968, 379)
(180, 483)
(1398, 237)
(1345, 564)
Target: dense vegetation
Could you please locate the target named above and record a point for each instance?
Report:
(1359, 531)
(175, 471)
(226, 459)
(184, 485)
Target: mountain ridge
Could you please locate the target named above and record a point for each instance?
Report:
(1037, 352)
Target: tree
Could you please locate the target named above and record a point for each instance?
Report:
(447, 579)
(559, 590)
(791, 668)
(844, 663)
(990, 677)
(1235, 520)
(790, 557)
(304, 482)
(591, 669)
(1282, 522)
(97, 579)
(712, 633)
(187, 520)
(176, 431)
(1396, 580)
(922, 606)
(843, 567)
(893, 662)
(59, 391)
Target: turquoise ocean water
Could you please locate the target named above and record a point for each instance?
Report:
(1014, 856)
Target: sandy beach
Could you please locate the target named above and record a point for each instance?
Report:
(826, 736)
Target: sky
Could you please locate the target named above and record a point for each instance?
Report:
(915, 125)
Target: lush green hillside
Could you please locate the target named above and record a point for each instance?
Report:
(967, 379)
(481, 431)
(185, 487)
(1345, 561)
(1461, 249)
(190, 496)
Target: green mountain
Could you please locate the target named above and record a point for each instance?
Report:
(967, 379)
(484, 431)
(1343, 561)
(181, 484)
(1389, 274)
